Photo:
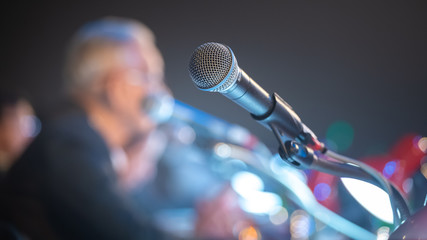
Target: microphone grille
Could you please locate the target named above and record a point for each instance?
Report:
(213, 67)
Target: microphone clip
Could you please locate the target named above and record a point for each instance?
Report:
(296, 154)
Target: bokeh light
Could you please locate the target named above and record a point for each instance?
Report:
(186, 134)
(389, 169)
(322, 191)
(260, 202)
(422, 144)
(383, 233)
(250, 233)
(300, 225)
(222, 150)
(340, 134)
(279, 215)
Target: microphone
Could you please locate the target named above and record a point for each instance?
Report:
(213, 68)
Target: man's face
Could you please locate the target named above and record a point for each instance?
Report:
(139, 73)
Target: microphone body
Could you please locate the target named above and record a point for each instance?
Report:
(249, 95)
(268, 109)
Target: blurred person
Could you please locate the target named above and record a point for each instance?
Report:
(73, 181)
(17, 128)
(221, 217)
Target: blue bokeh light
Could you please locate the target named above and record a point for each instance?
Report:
(322, 191)
(389, 169)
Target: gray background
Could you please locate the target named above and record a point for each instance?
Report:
(363, 62)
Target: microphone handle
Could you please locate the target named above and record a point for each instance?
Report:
(249, 95)
(269, 110)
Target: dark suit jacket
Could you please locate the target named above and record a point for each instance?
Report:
(64, 187)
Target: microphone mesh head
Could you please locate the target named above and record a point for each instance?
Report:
(213, 67)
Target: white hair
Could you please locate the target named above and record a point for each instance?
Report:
(96, 48)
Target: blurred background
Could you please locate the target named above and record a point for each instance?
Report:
(355, 72)
(363, 63)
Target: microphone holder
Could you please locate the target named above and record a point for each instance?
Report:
(302, 157)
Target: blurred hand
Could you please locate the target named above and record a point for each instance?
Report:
(221, 217)
(141, 160)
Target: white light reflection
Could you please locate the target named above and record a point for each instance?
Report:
(260, 202)
(279, 167)
(250, 187)
(246, 183)
(371, 197)
(383, 233)
(222, 150)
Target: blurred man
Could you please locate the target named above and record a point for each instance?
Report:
(72, 181)
(17, 128)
